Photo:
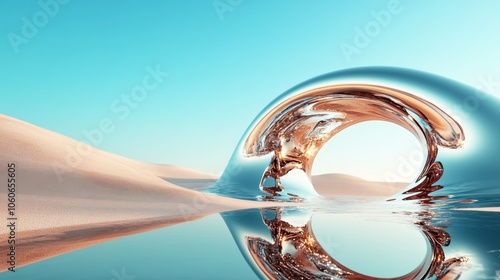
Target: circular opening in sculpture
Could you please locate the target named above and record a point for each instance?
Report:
(372, 158)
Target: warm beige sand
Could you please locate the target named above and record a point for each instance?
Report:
(68, 197)
(342, 185)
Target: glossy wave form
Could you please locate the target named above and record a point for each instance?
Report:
(287, 135)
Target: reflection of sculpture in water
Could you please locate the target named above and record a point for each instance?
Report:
(294, 253)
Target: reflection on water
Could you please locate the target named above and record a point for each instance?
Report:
(206, 244)
(202, 249)
(287, 248)
(368, 239)
(274, 158)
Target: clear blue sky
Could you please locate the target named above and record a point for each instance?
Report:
(67, 66)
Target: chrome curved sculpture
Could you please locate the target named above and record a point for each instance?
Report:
(291, 130)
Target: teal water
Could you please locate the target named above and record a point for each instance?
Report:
(368, 239)
(200, 249)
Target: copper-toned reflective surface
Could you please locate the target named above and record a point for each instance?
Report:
(295, 130)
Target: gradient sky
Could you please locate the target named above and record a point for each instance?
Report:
(224, 66)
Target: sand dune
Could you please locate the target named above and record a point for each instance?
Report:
(72, 195)
(340, 185)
